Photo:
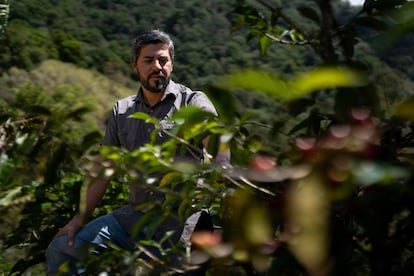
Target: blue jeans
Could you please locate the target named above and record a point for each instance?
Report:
(99, 232)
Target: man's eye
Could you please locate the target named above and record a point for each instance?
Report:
(163, 61)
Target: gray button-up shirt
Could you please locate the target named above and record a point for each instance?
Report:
(131, 134)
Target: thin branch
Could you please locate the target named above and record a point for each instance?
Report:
(282, 41)
(292, 24)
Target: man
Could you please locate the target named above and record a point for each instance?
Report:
(152, 58)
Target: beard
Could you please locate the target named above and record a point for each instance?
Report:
(160, 83)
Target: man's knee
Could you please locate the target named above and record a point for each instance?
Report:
(59, 252)
(59, 249)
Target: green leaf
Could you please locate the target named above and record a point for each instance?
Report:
(317, 79)
(191, 115)
(144, 116)
(264, 43)
(262, 81)
(191, 122)
(223, 101)
(328, 77)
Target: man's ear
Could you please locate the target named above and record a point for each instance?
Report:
(134, 65)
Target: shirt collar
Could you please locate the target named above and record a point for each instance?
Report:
(172, 88)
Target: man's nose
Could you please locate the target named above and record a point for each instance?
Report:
(156, 65)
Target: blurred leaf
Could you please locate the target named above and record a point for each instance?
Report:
(308, 213)
(402, 24)
(256, 81)
(328, 77)
(168, 178)
(405, 109)
(223, 101)
(184, 167)
(368, 173)
(257, 225)
(317, 79)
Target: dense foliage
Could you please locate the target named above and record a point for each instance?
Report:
(322, 178)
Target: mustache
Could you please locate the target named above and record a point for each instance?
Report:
(159, 74)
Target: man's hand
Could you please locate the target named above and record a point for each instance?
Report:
(70, 229)
(95, 191)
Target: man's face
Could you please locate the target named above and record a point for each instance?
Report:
(154, 66)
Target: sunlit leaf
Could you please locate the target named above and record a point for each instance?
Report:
(317, 79)
(146, 117)
(191, 115)
(257, 81)
(328, 77)
(264, 43)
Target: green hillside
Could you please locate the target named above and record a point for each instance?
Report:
(95, 35)
(321, 130)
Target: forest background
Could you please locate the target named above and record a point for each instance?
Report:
(64, 64)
